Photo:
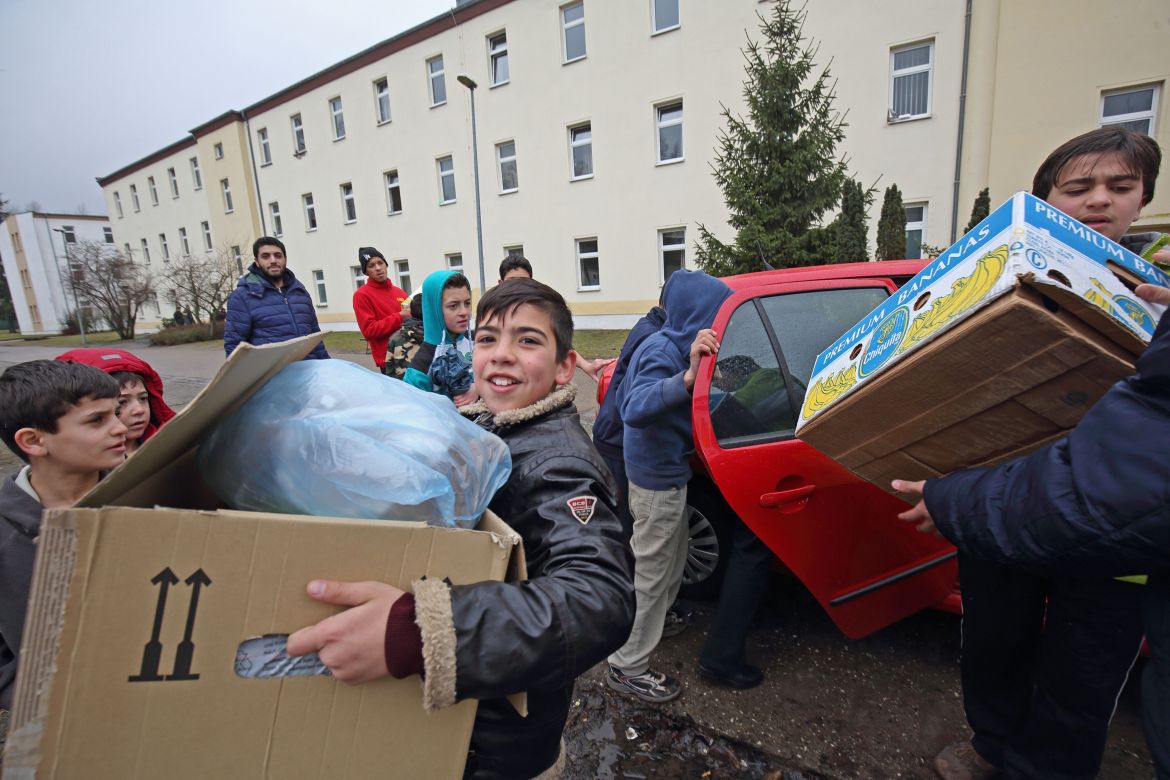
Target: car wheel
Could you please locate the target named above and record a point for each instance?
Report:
(709, 548)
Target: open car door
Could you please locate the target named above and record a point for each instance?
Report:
(839, 535)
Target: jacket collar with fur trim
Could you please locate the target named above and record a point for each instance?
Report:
(482, 416)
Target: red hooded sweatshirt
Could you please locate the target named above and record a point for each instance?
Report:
(111, 360)
(378, 309)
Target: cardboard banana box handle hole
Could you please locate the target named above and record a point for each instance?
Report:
(266, 657)
(922, 300)
(1059, 278)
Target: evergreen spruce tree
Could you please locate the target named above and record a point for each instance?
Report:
(891, 236)
(777, 166)
(850, 226)
(981, 208)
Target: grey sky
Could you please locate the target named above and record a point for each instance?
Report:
(91, 86)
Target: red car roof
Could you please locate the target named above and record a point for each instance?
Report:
(880, 268)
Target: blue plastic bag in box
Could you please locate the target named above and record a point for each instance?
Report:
(329, 438)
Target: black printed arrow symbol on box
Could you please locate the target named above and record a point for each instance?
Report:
(152, 651)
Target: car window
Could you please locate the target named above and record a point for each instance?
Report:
(806, 323)
(749, 397)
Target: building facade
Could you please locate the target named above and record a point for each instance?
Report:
(597, 123)
(35, 248)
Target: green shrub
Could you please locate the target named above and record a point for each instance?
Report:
(187, 334)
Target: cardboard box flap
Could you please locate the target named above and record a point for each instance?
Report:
(238, 378)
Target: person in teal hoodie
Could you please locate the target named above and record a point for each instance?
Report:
(443, 362)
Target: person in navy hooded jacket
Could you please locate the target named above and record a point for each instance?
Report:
(658, 443)
(269, 304)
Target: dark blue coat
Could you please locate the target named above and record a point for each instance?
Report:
(607, 427)
(258, 313)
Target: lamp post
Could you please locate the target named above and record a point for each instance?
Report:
(466, 81)
(72, 282)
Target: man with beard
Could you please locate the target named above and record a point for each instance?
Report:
(269, 303)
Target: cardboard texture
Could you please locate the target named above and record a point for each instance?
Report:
(137, 612)
(996, 348)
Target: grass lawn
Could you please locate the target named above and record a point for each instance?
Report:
(599, 343)
(101, 337)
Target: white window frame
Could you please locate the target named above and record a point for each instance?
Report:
(196, 174)
(145, 251)
(238, 257)
(663, 248)
(183, 242)
(501, 161)
(454, 261)
(218, 151)
(348, 203)
(433, 77)
(134, 198)
(595, 255)
(118, 203)
(497, 49)
(310, 208)
(443, 200)
(173, 178)
(265, 148)
(565, 27)
(358, 277)
(920, 225)
(319, 284)
(513, 249)
(337, 118)
(126, 246)
(382, 100)
(574, 144)
(206, 227)
(150, 185)
(277, 222)
(298, 133)
(393, 187)
(166, 249)
(68, 234)
(226, 188)
(1117, 119)
(402, 273)
(660, 125)
(108, 234)
(654, 28)
(928, 68)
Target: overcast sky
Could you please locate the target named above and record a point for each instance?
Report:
(87, 86)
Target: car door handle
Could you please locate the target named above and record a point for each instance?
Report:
(780, 498)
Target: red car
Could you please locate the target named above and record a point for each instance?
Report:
(839, 535)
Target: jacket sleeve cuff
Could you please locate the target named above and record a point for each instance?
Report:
(675, 392)
(436, 623)
(403, 640)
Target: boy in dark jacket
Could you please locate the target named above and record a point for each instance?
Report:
(492, 639)
(404, 344)
(60, 418)
(269, 304)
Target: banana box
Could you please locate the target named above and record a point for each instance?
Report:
(995, 348)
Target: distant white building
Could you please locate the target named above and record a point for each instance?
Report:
(34, 248)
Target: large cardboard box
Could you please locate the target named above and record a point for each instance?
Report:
(997, 347)
(143, 594)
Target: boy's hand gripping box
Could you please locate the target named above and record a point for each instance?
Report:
(132, 665)
(997, 347)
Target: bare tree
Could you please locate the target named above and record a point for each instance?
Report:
(202, 282)
(110, 283)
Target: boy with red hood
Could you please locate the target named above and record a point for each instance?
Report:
(378, 304)
(141, 407)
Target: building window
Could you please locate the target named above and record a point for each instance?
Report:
(265, 149)
(581, 150)
(183, 241)
(153, 190)
(166, 250)
(118, 204)
(196, 176)
(393, 192)
(498, 58)
(129, 255)
(277, 225)
(174, 180)
(348, 207)
(664, 15)
(108, 234)
(382, 100)
(298, 131)
(239, 258)
(228, 208)
(218, 151)
(68, 235)
(509, 178)
(310, 212)
(145, 251)
(134, 197)
(672, 251)
(402, 271)
(573, 24)
(915, 229)
(446, 180)
(319, 283)
(438, 81)
(206, 235)
(1132, 108)
(670, 132)
(338, 118)
(359, 278)
(588, 271)
(455, 262)
(516, 250)
(910, 77)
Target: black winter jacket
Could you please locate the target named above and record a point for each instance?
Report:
(20, 523)
(492, 639)
(259, 313)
